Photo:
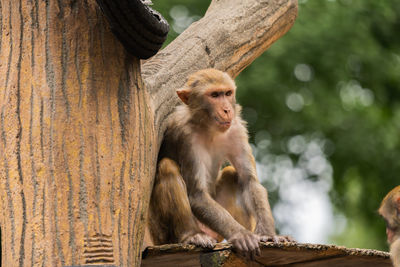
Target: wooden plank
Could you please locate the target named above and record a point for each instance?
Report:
(295, 254)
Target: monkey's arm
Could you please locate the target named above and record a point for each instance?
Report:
(254, 194)
(209, 212)
(204, 207)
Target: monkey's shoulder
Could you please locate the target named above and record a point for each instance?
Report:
(176, 140)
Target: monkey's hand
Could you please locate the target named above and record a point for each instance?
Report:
(246, 243)
(276, 238)
(201, 240)
(268, 235)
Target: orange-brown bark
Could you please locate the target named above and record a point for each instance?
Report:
(76, 151)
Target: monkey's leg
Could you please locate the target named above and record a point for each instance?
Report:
(227, 196)
(241, 201)
(170, 217)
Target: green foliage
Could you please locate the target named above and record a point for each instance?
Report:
(335, 75)
(352, 98)
(180, 13)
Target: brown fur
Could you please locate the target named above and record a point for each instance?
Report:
(390, 211)
(170, 191)
(202, 134)
(228, 197)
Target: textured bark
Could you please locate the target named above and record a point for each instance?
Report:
(78, 131)
(77, 153)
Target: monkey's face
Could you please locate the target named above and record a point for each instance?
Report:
(210, 96)
(390, 211)
(221, 105)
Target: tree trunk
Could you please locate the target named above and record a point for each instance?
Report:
(79, 131)
(77, 138)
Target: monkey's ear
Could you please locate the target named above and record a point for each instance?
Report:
(184, 95)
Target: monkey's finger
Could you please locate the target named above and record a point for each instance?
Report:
(265, 238)
(258, 252)
(206, 242)
(289, 238)
(251, 252)
(243, 245)
(201, 241)
(254, 253)
(210, 243)
(257, 248)
(193, 241)
(252, 244)
(238, 247)
(283, 239)
(251, 255)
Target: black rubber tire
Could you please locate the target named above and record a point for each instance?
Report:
(139, 28)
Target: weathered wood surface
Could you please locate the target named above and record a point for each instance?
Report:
(80, 129)
(291, 254)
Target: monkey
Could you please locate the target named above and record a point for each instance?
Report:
(390, 211)
(195, 202)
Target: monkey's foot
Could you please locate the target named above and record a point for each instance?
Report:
(276, 238)
(201, 240)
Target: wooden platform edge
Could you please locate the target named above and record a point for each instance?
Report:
(273, 254)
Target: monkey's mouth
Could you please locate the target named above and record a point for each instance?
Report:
(223, 124)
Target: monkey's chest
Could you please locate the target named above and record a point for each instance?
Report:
(211, 156)
(211, 166)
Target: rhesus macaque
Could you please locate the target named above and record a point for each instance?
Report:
(390, 211)
(191, 193)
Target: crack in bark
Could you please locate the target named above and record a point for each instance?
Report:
(64, 57)
(71, 241)
(83, 197)
(33, 173)
(10, 54)
(19, 138)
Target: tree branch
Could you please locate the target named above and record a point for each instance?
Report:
(229, 37)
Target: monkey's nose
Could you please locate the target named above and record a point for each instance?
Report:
(227, 110)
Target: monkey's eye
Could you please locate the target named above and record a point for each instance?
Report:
(214, 94)
(229, 93)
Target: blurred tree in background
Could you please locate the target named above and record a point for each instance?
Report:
(323, 107)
